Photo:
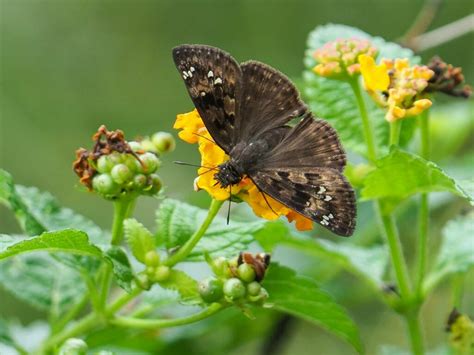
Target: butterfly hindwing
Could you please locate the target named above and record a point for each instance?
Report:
(213, 80)
(320, 194)
(269, 100)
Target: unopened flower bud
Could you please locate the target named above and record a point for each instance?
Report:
(136, 146)
(164, 142)
(253, 288)
(155, 184)
(152, 258)
(140, 181)
(104, 184)
(261, 297)
(121, 173)
(234, 289)
(104, 164)
(148, 164)
(210, 289)
(143, 281)
(246, 272)
(73, 346)
(162, 273)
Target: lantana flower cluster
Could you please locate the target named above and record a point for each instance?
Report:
(339, 59)
(117, 169)
(192, 130)
(397, 85)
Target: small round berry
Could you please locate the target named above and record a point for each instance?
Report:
(234, 288)
(220, 267)
(162, 273)
(148, 146)
(164, 142)
(73, 346)
(115, 158)
(131, 162)
(261, 297)
(140, 181)
(104, 164)
(154, 183)
(149, 163)
(104, 184)
(135, 145)
(210, 289)
(143, 281)
(121, 173)
(152, 258)
(150, 271)
(253, 288)
(246, 272)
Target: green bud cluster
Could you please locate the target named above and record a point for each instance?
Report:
(154, 271)
(123, 174)
(232, 283)
(158, 143)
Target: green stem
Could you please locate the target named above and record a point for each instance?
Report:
(71, 314)
(395, 128)
(122, 301)
(423, 216)
(396, 253)
(184, 251)
(92, 291)
(131, 322)
(366, 123)
(121, 211)
(457, 290)
(414, 330)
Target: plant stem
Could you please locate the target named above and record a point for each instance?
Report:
(391, 233)
(395, 128)
(457, 290)
(184, 251)
(71, 314)
(414, 329)
(423, 216)
(122, 209)
(366, 123)
(396, 253)
(122, 301)
(131, 322)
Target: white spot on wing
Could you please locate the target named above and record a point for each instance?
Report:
(322, 190)
(210, 74)
(327, 198)
(218, 81)
(192, 69)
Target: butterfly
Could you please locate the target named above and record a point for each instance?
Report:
(248, 109)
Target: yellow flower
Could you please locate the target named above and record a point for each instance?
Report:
(194, 131)
(396, 85)
(375, 76)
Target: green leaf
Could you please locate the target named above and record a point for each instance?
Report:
(401, 174)
(177, 221)
(456, 254)
(351, 257)
(69, 241)
(5, 336)
(185, 285)
(334, 101)
(41, 281)
(139, 238)
(301, 297)
(121, 266)
(38, 212)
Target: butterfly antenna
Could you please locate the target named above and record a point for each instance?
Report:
(195, 165)
(230, 200)
(207, 171)
(200, 135)
(268, 204)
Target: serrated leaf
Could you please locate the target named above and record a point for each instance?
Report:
(368, 263)
(333, 100)
(38, 212)
(177, 221)
(401, 174)
(68, 241)
(41, 281)
(301, 297)
(456, 254)
(185, 285)
(139, 238)
(121, 267)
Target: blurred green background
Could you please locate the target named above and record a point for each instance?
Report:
(69, 66)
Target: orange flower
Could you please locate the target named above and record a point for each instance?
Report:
(194, 131)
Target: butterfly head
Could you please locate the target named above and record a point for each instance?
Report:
(228, 174)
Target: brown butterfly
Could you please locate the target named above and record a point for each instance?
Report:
(247, 109)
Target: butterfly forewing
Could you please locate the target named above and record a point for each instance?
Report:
(213, 80)
(321, 194)
(269, 100)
